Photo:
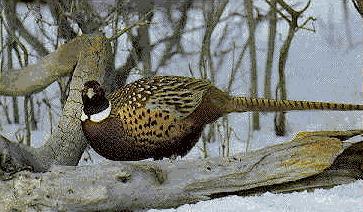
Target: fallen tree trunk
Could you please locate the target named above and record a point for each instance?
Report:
(311, 160)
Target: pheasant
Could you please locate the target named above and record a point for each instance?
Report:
(164, 116)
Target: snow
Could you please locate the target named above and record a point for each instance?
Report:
(340, 199)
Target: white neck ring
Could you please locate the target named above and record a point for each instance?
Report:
(98, 117)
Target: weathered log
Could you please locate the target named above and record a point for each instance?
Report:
(311, 160)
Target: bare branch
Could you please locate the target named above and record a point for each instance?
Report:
(141, 22)
(16, 25)
(274, 6)
(251, 22)
(35, 77)
(212, 19)
(57, 9)
(303, 25)
(358, 4)
(175, 38)
(271, 49)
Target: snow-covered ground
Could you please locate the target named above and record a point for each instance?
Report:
(343, 198)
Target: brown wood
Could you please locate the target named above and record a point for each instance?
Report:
(311, 160)
(87, 57)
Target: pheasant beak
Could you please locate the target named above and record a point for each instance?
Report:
(90, 93)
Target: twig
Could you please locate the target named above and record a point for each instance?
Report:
(14, 23)
(302, 26)
(278, 11)
(175, 38)
(141, 22)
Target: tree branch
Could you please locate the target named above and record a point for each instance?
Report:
(358, 4)
(212, 19)
(142, 22)
(91, 56)
(16, 25)
(175, 38)
(34, 78)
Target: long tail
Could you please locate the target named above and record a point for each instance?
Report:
(242, 104)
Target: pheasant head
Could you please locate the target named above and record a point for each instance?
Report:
(96, 107)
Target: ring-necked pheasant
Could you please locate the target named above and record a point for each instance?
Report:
(164, 116)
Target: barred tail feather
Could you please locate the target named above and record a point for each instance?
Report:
(242, 104)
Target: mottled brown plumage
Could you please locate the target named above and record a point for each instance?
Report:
(164, 116)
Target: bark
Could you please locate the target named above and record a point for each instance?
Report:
(144, 45)
(57, 10)
(27, 121)
(253, 58)
(15, 110)
(175, 39)
(207, 70)
(281, 92)
(270, 50)
(311, 160)
(213, 14)
(140, 41)
(87, 57)
(16, 25)
(10, 66)
(358, 4)
(67, 143)
(346, 15)
(46, 71)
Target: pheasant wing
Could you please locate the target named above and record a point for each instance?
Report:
(179, 96)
